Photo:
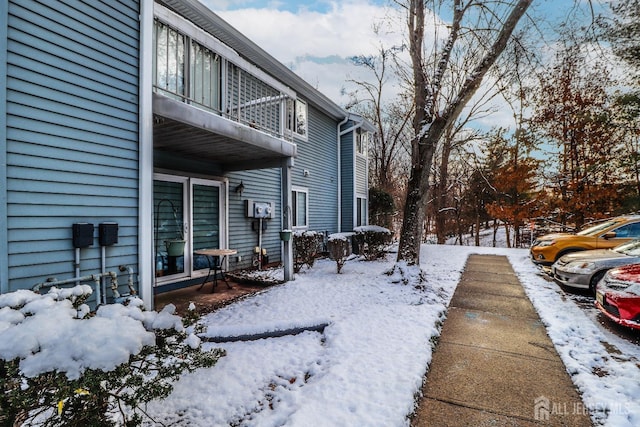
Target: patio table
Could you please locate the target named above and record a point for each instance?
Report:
(215, 258)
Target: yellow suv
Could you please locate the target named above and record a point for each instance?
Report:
(607, 234)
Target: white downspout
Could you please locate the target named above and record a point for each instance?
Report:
(346, 119)
(146, 262)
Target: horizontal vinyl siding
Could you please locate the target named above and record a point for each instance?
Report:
(72, 134)
(319, 156)
(261, 186)
(361, 176)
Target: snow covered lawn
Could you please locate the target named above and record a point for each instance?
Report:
(367, 365)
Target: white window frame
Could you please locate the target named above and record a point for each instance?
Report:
(362, 205)
(362, 141)
(294, 210)
(292, 124)
(187, 199)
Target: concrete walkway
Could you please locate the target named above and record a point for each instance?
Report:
(494, 364)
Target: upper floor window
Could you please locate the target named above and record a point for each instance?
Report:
(362, 141)
(297, 117)
(300, 209)
(169, 60)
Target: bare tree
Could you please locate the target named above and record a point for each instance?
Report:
(388, 152)
(474, 24)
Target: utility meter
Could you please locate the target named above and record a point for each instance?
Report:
(261, 210)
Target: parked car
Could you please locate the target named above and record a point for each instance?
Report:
(547, 249)
(584, 269)
(618, 295)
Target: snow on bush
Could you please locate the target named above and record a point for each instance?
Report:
(306, 246)
(64, 365)
(339, 247)
(371, 240)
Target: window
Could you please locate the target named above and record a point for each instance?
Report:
(361, 213)
(628, 230)
(362, 141)
(300, 208)
(204, 77)
(169, 60)
(297, 117)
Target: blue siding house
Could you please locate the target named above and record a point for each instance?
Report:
(134, 133)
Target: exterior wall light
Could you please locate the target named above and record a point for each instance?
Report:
(240, 188)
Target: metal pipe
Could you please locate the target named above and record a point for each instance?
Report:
(128, 269)
(96, 278)
(114, 285)
(103, 268)
(77, 264)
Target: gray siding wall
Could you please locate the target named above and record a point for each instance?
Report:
(348, 190)
(319, 156)
(361, 176)
(72, 134)
(261, 186)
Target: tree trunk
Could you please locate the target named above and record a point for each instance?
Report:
(428, 126)
(441, 197)
(477, 227)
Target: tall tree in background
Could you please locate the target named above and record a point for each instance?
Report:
(514, 183)
(624, 32)
(627, 124)
(574, 113)
(473, 24)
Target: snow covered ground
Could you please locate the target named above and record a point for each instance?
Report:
(366, 367)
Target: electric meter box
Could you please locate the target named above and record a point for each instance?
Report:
(262, 210)
(108, 233)
(82, 234)
(255, 209)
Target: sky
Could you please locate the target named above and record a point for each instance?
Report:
(359, 356)
(315, 39)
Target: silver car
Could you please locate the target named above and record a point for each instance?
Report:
(584, 269)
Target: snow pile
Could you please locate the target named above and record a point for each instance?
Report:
(368, 365)
(47, 333)
(371, 229)
(604, 367)
(364, 369)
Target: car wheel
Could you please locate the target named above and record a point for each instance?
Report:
(594, 281)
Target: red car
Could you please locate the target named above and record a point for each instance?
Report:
(618, 295)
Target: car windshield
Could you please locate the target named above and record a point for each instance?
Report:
(597, 228)
(631, 248)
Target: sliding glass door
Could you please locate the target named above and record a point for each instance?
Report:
(188, 216)
(206, 224)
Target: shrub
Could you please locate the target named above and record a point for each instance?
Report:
(61, 365)
(339, 246)
(381, 207)
(371, 241)
(306, 245)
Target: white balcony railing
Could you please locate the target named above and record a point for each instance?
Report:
(189, 71)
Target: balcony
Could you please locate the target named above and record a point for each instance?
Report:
(209, 103)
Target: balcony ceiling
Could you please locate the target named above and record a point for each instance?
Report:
(188, 132)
